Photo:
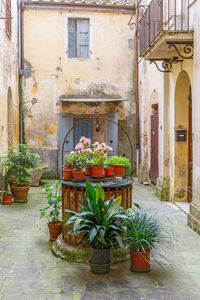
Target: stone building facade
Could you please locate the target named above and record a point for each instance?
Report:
(169, 101)
(78, 63)
(9, 124)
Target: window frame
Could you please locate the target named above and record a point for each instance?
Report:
(88, 54)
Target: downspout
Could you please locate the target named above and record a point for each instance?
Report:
(21, 68)
(137, 90)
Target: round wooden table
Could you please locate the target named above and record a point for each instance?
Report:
(73, 195)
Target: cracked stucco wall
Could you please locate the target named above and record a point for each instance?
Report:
(50, 75)
(8, 82)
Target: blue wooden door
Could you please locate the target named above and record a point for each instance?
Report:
(113, 133)
(65, 124)
(84, 128)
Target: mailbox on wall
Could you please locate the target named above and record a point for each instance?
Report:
(181, 134)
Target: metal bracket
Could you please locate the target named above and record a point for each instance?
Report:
(166, 63)
(187, 49)
(142, 10)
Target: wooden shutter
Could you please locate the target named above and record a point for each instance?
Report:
(72, 38)
(65, 124)
(82, 38)
(113, 133)
(84, 128)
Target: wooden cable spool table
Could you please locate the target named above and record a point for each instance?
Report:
(73, 195)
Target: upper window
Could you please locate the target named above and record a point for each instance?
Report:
(78, 38)
(8, 24)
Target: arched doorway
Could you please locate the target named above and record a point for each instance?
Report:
(183, 139)
(10, 117)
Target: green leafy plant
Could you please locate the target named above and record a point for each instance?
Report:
(144, 232)
(19, 161)
(76, 159)
(99, 221)
(54, 199)
(118, 160)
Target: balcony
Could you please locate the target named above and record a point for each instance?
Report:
(165, 24)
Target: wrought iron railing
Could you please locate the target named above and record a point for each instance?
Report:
(167, 15)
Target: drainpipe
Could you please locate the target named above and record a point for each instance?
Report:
(137, 89)
(21, 68)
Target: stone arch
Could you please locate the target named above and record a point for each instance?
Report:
(10, 117)
(182, 95)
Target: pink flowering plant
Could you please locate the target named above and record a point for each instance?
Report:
(100, 151)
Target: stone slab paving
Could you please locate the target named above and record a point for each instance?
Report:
(29, 271)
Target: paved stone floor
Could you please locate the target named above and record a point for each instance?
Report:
(29, 271)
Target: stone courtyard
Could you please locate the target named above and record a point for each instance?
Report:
(29, 270)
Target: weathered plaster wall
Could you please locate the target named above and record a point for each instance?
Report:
(8, 85)
(51, 75)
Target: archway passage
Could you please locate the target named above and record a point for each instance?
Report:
(183, 139)
(10, 117)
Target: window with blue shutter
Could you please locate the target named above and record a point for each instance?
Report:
(78, 38)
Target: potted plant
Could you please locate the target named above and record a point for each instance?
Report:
(100, 223)
(18, 162)
(119, 163)
(67, 169)
(6, 198)
(144, 235)
(52, 211)
(78, 164)
(99, 157)
(83, 146)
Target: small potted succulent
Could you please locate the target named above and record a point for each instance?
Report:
(119, 163)
(52, 211)
(18, 163)
(145, 235)
(100, 223)
(99, 156)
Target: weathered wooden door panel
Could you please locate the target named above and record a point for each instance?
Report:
(65, 124)
(84, 128)
(112, 138)
(190, 153)
(153, 174)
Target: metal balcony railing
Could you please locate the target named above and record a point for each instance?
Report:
(163, 15)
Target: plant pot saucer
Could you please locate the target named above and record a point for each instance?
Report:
(98, 178)
(99, 269)
(77, 180)
(139, 271)
(110, 175)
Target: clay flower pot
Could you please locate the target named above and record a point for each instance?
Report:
(54, 230)
(140, 261)
(6, 200)
(67, 173)
(78, 174)
(108, 171)
(119, 170)
(88, 170)
(97, 171)
(20, 192)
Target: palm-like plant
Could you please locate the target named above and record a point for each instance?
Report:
(99, 221)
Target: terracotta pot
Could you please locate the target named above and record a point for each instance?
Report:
(6, 200)
(78, 174)
(119, 170)
(20, 192)
(88, 170)
(140, 261)
(54, 230)
(108, 171)
(97, 171)
(67, 174)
